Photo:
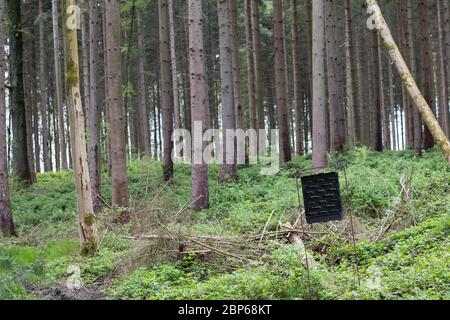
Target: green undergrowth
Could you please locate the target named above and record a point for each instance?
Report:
(411, 261)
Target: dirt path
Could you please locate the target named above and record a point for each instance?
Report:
(62, 293)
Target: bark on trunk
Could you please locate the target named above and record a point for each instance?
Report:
(237, 82)
(94, 116)
(280, 85)
(319, 127)
(88, 231)
(426, 63)
(120, 197)
(20, 162)
(299, 147)
(6, 220)
(229, 168)
(58, 86)
(199, 100)
(166, 89)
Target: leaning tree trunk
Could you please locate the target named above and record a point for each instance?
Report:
(88, 230)
(376, 21)
(199, 102)
(319, 126)
(117, 147)
(229, 167)
(167, 103)
(6, 221)
(280, 82)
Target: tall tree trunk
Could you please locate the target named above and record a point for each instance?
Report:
(252, 112)
(426, 63)
(88, 231)
(173, 63)
(94, 115)
(428, 116)
(257, 59)
(376, 107)
(384, 113)
(58, 86)
(199, 100)
(297, 80)
(392, 110)
(442, 70)
(229, 167)
(6, 220)
(166, 88)
(280, 78)
(319, 129)
(120, 197)
(416, 133)
(351, 112)
(237, 82)
(337, 128)
(43, 91)
(142, 91)
(21, 163)
(29, 81)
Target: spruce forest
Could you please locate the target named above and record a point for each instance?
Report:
(224, 150)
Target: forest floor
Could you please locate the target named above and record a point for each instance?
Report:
(238, 249)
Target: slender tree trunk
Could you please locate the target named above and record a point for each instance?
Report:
(280, 78)
(6, 220)
(319, 129)
(252, 112)
(416, 131)
(43, 91)
(376, 133)
(229, 167)
(166, 88)
(120, 197)
(360, 92)
(384, 113)
(442, 70)
(58, 85)
(297, 80)
(392, 110)
(21, 163)
(173, 59)
(407, 79)
(142, 91)
(351, 112)
(337, 135)
(426, 62)
(29, 80)
(199, 100)
(88, 231)
(257, 59)
(94, 115)
(237, 82)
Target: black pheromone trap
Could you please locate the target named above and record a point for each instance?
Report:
(322, 198)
